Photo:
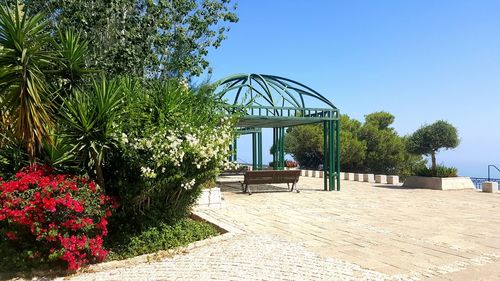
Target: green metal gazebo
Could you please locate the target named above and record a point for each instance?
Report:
(269, 101)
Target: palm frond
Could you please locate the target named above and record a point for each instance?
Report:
(23, 60)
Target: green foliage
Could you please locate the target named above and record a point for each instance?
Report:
(23, 88)
(352, 149)
(162, 236)
(305, 144)
(144, 38)
(372, 146)
(429, 139)
(440, 171)
(89, 122)
(384, 148)
(12, 154)
(37, 68)
(380, 120)
(172, 143)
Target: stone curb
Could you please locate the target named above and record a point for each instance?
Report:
(227, 231)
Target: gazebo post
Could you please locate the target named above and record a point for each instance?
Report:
(337, 152)
(259, 140)
(254, 151)
(235, 150)
(331, 159)
(275, 145)
(282, 149)
(325, 155)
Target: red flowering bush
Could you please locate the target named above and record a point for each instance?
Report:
(54, 217)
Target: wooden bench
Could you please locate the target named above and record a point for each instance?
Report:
(269, 177)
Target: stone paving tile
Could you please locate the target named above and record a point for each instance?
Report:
(244, 257)
(405, 233)
(364, 232)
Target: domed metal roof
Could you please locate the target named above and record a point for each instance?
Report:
(274, 101)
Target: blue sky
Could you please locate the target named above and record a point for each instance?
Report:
(419, 60)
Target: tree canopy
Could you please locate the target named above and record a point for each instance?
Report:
(144, 38)
(372, 146)
(429, 139)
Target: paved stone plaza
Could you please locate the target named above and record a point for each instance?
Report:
(365, 232)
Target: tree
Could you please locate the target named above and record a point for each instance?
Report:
(305, 144)
(429, 139)
(373, 146)
(352, 149)
(23, 91)
(35, 65)
(145, 38)
(381, 120)
(384, 147)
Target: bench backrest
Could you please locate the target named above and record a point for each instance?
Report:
(272, 176)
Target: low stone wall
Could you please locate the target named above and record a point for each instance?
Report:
(210, 198)
(454, 183)
(370, 178)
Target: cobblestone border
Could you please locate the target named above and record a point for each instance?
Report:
(227, 231)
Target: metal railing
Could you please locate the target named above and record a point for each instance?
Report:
(489, 168)
(479, 181)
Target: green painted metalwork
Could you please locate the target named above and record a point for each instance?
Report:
(337, 147)
(269, 101)
(235, 150)
(325, 155)
(281, 164)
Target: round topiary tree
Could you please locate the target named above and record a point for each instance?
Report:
(429, 139)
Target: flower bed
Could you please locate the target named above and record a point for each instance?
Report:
(50, 217)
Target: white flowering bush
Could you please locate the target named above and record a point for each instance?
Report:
(174, 142)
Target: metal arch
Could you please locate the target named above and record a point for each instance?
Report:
(269, 92)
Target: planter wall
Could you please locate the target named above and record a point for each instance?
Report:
(455, 183)
(210, 198)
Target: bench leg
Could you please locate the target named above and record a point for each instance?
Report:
(288, 184)
(294, 185)
(245, 188)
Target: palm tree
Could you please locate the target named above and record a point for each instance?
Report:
(24, 57)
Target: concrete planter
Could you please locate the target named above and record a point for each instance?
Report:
(210, 198)
(380, 178)
(368, 178)
(392, 179)
(454, 183)
(349, 176)
(490, 187)
(358, 177)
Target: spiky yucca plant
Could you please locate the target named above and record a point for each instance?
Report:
(24, 103)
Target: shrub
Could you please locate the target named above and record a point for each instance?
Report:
(51, 218)
(440, 171)
(173, 141)
(160, 237)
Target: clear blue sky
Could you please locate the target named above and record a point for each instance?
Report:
(419, 60)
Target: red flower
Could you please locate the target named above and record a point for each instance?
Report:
(58, 213)
(49, 204)
(11, 235)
